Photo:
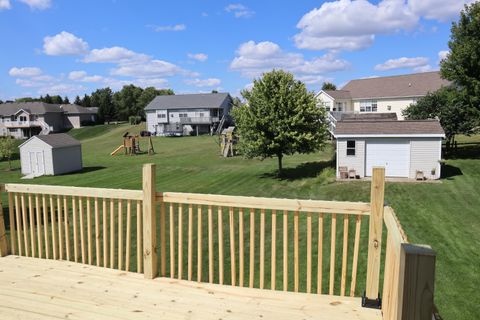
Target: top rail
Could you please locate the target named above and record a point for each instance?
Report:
(75, 191)
(319, 206)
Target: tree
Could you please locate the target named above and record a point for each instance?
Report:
(47, 99)
(329, 86)
(77, 101)
(66, 100)
(214, 91)
(280, 117)
(125, 101)
(86, 101)
(7, 149)
(448, 106)
(102, 99)
(57, 99)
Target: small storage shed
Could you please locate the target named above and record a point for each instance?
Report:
(51, 154)
(404, 148)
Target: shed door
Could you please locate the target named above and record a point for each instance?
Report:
(37, 163)
(393, 154)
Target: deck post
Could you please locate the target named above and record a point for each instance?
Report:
(3, 232)
(375, 233)
(417, 266)
(149, 222)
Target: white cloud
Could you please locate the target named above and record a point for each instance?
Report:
(441, 10)
(210, 82)
(252, 59)
(152, 68)
(37, 4)
(84, 77)
(62, 89)
(175, 27)
(114, 55)
(64, 44)
(25, 72)
(443, 54)
(403, 62)
(425, 68)
(239, 10)
(5, 4)
(352, 25)
(198, 56)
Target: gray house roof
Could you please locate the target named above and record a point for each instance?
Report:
(56, 140)
(76, 109)
(10, 108)
(408, 85)
(188, 101)
(389, 127)
(338, 94)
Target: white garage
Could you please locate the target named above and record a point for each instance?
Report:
(51, 154)
(404, 148)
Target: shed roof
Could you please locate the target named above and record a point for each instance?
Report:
(408, 85)
(10, 108)
(188, 101)
(56, 140)
(389, 128)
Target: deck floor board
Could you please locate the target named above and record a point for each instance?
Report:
(45, 289)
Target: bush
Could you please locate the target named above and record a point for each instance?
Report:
(134, 120)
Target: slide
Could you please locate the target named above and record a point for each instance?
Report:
(114, 152)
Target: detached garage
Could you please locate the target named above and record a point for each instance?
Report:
(51, 154)
(404, 148)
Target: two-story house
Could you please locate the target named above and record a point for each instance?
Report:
(185, 114)
(381, 94)
(22, 120)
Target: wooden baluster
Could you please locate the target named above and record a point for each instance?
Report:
(220, 245)
(273, 272)
(75, 228)
(98, 253)
(199, 244)
(262, 248)
(128, 235)
(309, 252)
(355, 255)
(285, 250)
(332, 254)
(180, 241)
(241, 248)
(105, 232)
(25, 228)
(12, 223)
(252, 249)
(320, 254)
(54, 228)
(60, 227)
(32, 225)
(67, 227)
(210, 245)
(190, 242)
(45, 226)
(163, 240)
(39, 226)
(140, 237)
(120, 235)
(83, 245)
(172, 242)
(296, 267)
(344, 255)
(112, 233)
(19, 223)
(4, 248)
(232, 247)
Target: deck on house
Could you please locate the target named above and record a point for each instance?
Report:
(44, 289)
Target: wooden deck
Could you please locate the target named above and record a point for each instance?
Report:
(44, 289)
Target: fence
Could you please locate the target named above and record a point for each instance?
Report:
(278, 244)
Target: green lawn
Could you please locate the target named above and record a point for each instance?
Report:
(445, 216)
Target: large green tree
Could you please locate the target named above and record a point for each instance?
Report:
(125, 101)
(329, 86)
(280, 117)
(102, 99)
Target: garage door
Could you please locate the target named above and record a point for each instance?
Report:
(394, 155)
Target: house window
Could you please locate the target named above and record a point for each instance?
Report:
(202, 114)
(389, 108)
(339, 106)
(162, 115)
(182, 115)
(368, 106)
(23, 119)
(171, 115)
(327, 105)
(350, 147)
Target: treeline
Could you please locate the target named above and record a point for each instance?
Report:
(47, 99)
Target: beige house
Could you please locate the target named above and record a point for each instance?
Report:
(404, 148)
(381, 94)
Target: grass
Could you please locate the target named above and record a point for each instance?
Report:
(445, 215)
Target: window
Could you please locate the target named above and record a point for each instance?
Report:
(161, 115)
(368, 106)
(182, 115)
(350, 147)
(389, 108)
(202, 114)
(23, 119)
(171, 115)
(327, 105)
(339, 106)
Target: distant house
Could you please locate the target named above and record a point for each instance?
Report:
(25, 119)
(50, 155)
(187, 113)
(402, 147)
(381, 94)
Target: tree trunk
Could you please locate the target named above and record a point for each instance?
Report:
(280, 168)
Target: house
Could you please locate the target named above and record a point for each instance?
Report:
(187, 113)
(25, 119)
(381, 94)
(402, 147)
(51, 154)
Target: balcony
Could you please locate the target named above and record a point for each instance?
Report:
(22, 124)
(199, 120)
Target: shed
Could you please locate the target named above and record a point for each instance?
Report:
(51, 154)
(404, 148)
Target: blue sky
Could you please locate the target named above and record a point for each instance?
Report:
(73, 47)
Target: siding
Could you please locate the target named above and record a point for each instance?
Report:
(67, 159)
(396, 105)
(356, 162)
(36, 145)
(424, 156)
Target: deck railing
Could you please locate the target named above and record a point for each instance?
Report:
(279, 244)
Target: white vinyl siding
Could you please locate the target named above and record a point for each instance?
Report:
(356, 162)
(425, 156)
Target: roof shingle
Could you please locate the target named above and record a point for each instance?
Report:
(188, 101)
(59, 140)
(388, 127)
